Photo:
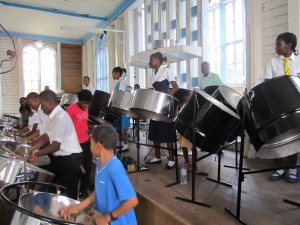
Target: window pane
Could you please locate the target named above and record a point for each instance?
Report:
(48, 68)
(229, 22)
(230, 70)
(217, 27)
(239, 20)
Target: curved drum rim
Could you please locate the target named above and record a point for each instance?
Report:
(147, 113)
(233, 102)
(217, 103)
(124, 105)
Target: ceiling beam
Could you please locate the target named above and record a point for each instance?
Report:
(42, 38)
(55, 11)
(112, 16)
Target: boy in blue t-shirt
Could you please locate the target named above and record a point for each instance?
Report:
(114, 196)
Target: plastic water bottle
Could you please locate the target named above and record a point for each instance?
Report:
(183, 177)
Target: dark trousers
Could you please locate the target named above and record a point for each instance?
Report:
(87, 163)
(67, 172)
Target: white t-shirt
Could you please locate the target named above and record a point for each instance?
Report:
(34, 119)
(90, 88)
(44, 121)
(163, 73)
(275, 67)
(62, 130)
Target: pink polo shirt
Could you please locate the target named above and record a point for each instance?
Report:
(80, 121)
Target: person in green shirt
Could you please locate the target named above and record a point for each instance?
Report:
(209, 78)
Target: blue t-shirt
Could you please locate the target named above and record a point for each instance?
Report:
(112, 187)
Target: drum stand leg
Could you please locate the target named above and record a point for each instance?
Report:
(219, 172)
(236, 158)
(176, 166)
(138, 150)
(291, 202)
(194, 160)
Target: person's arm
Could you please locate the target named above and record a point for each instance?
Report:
(171, 78)
(175, 88)
(33, 130)
(71, 210)
(122, 209)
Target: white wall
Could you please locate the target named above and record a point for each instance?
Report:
(9, 81)
(274, 22)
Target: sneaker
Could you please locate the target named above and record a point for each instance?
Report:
(170, 165)
(154, 161)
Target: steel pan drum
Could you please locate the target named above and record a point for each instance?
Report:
(14, 146)
(155, 105)
(181, 95)
(13, 119)
(273, 117)
(99, 112)
(68, 99)
(231, 99)
(35, 208)
(210, 89)
(215, 122)
(12, 170)
(120, 102)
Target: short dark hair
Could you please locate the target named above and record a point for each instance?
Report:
(159, 56)
(25, 108)
(119, 70)
(48, 95)
(32, 95)
(106, 135)
(288, 37)
(85, 95)
(86, 77)
(205, 63)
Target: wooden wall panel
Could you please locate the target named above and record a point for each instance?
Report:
(71, 67)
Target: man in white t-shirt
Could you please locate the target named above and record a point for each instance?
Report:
(63, 144)
(87, 85)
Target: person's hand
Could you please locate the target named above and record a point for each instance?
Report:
(23, 141)
(67, 212)
(33, 158)
(20, 152)
(102, 220)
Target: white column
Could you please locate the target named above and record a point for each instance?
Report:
(58, 66)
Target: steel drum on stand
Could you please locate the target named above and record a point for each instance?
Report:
(273, 117)
(232, 100)
(215, 122)
(155, 105)
(98, 111)
(120, 102)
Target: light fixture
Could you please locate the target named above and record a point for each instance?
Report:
(89, 29)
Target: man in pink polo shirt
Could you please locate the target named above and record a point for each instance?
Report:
(79, 115)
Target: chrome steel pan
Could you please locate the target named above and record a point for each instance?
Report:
(42, 206)
(12, 170)
(120, 101)
(68, 99)
(155, 105)
(14, 146)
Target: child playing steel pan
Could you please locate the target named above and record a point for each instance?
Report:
(114, 196)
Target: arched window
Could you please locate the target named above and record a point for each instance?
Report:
(39, 67)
